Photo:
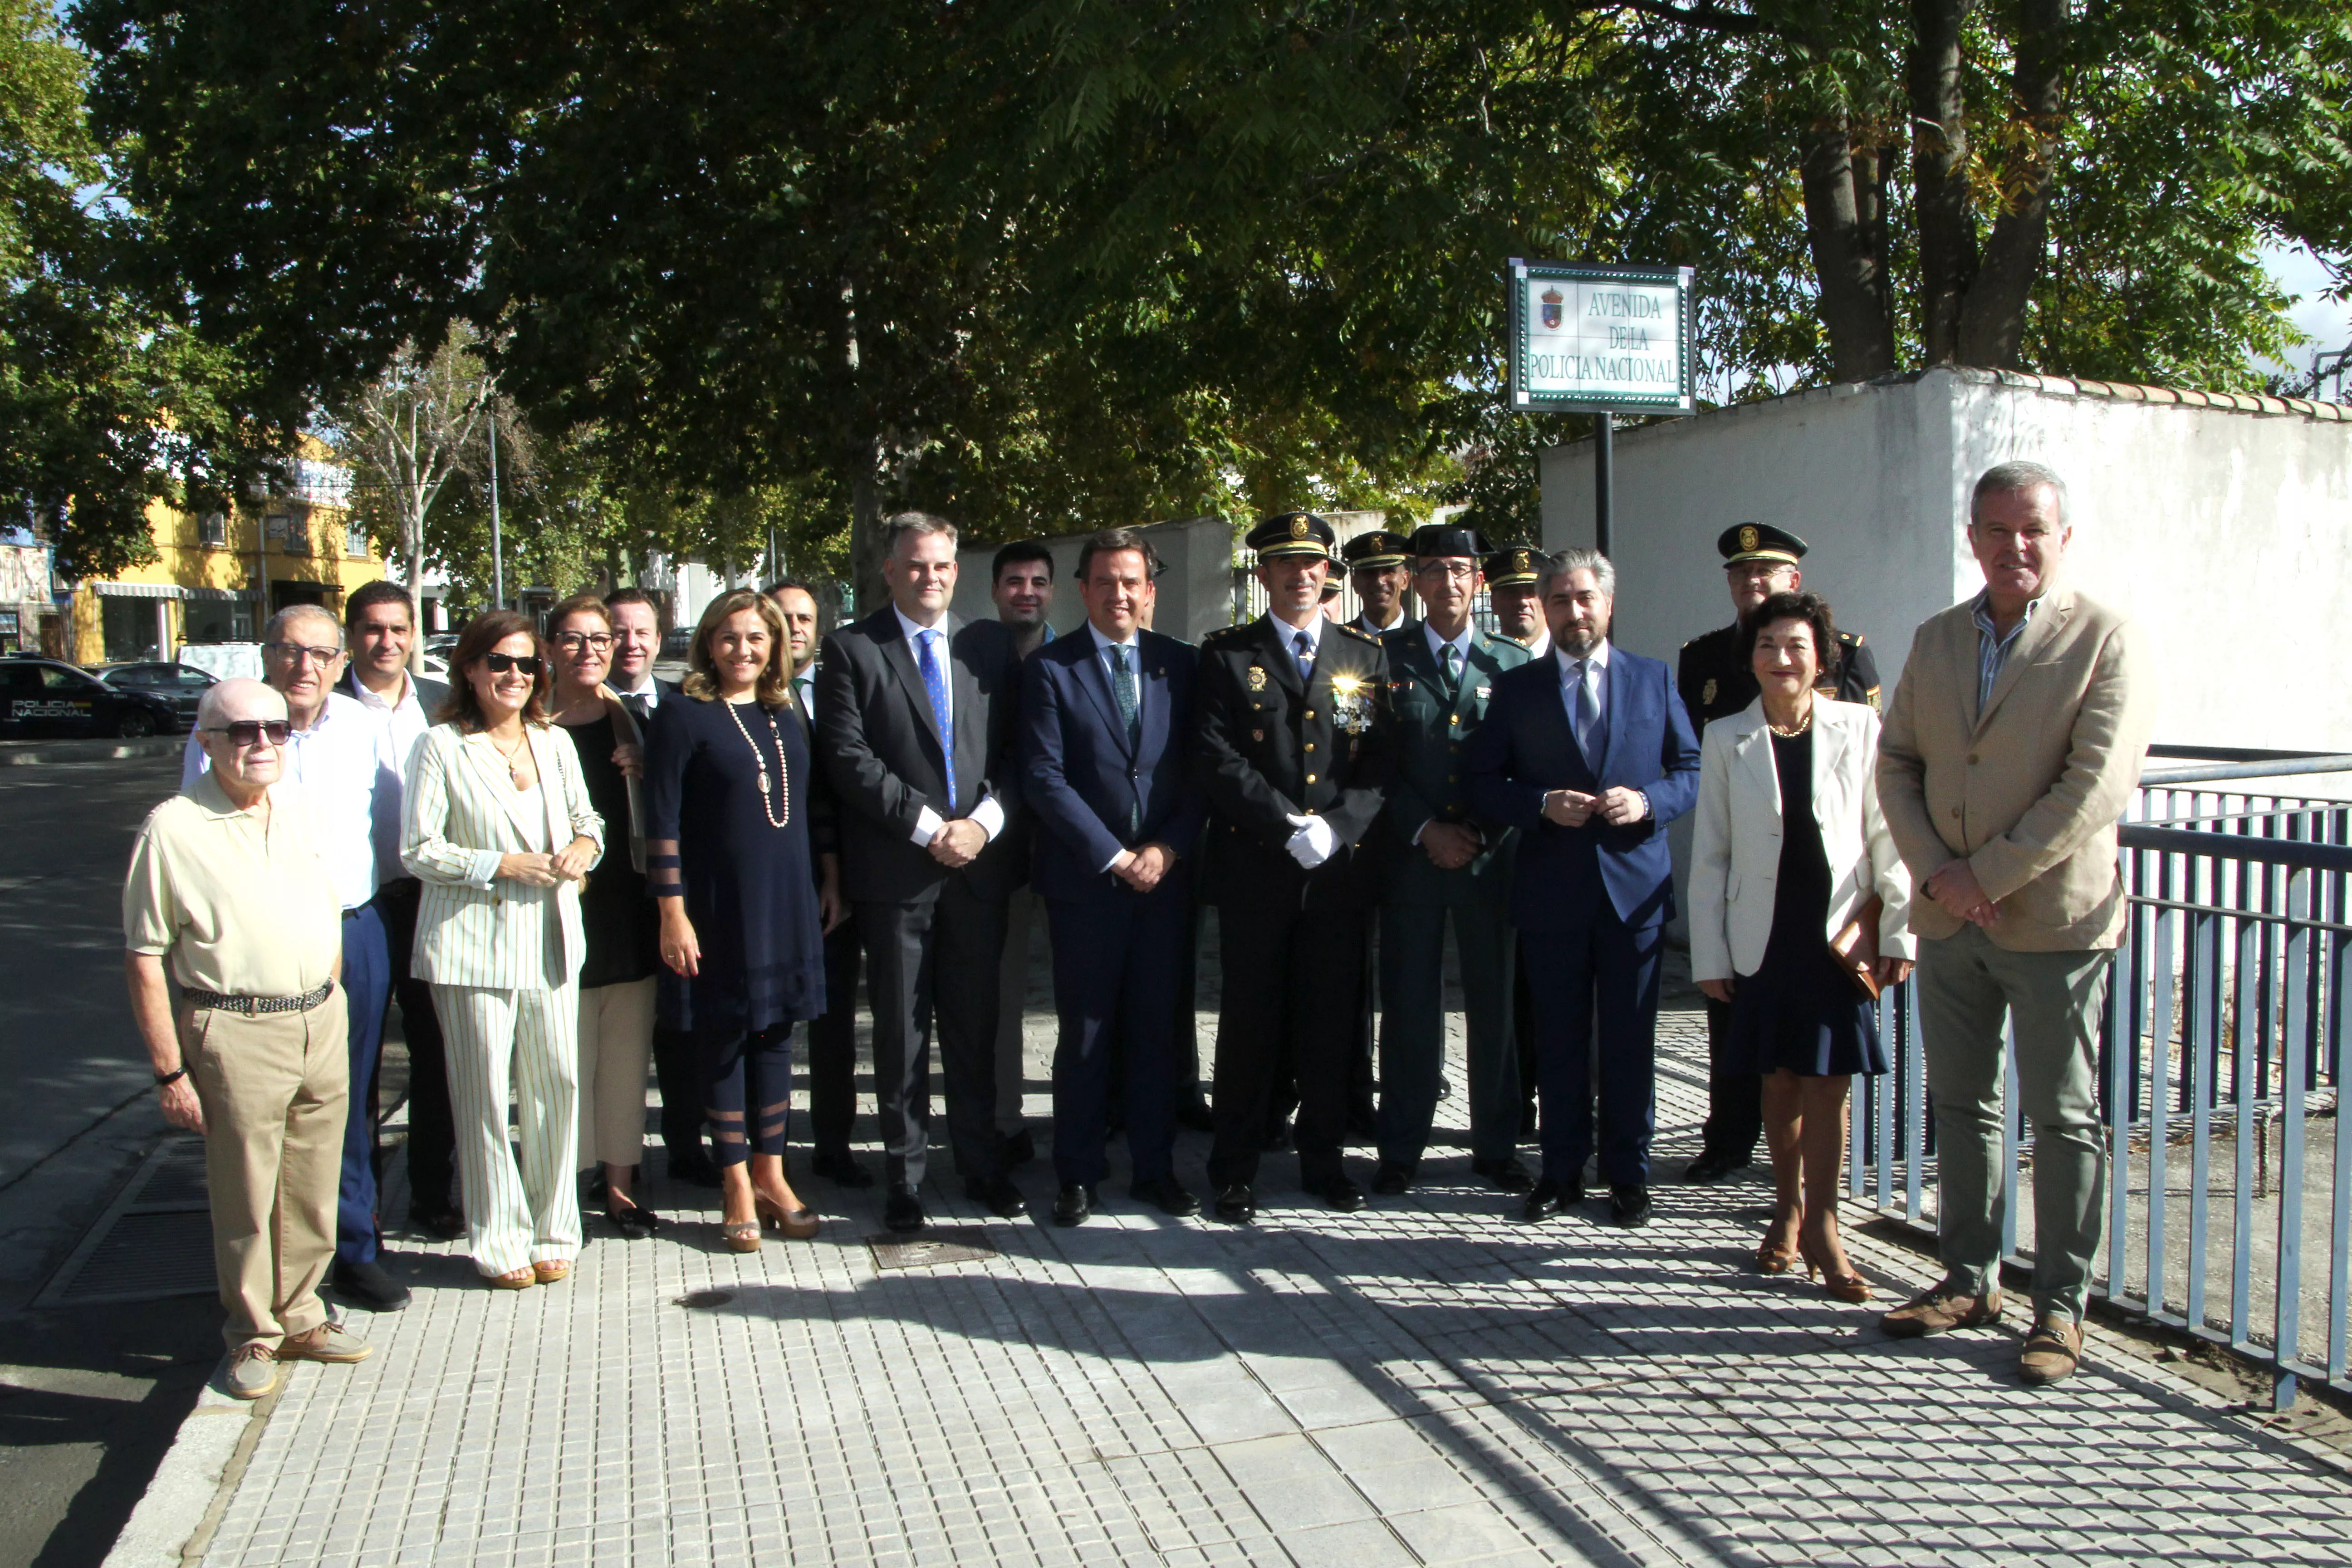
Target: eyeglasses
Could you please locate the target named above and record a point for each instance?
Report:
(1459, 571)
(295, 653)
(572, 642)
(500, 663)
(246, 733)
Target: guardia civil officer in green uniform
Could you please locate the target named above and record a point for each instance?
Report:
(1758, 561)
(1441, 860)
(1293, 748)
(1379, 568)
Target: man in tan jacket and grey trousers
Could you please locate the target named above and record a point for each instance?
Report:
(2010, 752)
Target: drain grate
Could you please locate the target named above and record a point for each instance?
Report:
(155, 1241)
(930, 1248)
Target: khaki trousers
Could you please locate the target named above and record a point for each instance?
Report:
(616, 1041)
(274, 1088)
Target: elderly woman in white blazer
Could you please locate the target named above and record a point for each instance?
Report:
(501, 832)
(1787, 850)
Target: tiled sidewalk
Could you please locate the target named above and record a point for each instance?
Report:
(1425, 1382)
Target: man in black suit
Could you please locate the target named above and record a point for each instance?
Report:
(915, 731)
(380, 629)
(833, 1037)
(636, 638)
(1292, 748)
(1106, 722)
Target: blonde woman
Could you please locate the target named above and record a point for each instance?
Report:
(500, 831)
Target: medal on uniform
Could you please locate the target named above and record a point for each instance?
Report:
(1351, 704)
(1483, 691)
(1257, 678)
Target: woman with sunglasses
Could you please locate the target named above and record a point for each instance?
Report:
(500, 831)
(726, 809)
(617, 983)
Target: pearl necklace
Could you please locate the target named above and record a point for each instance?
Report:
(1795, 730)
(769, 792)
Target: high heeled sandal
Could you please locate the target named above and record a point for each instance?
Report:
(1771, 1259)
(739, 1235)
(521, 1279)
(797, 1223)
(1851, 1288)
(551, 1270)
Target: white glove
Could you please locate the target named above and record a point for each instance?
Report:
(1314, 843)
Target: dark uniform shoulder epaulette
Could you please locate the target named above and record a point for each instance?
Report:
(1358, 633)
(1852, 640)
(1228, 634)
(1515, 642)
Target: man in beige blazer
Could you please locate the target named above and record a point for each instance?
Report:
(2012, 745)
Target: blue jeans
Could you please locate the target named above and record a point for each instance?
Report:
(367, 989)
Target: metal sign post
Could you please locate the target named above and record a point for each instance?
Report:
(1605, 341)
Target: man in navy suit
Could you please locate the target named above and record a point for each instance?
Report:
(1106, 717)
(1589, 754)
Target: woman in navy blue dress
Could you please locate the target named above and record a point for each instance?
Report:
(728, 779)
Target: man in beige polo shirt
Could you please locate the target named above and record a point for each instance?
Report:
(232, 882)
(2011, 748)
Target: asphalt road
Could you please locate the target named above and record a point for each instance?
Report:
(90, 1396)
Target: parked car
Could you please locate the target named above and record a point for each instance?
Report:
(48, 697)
(182, 685)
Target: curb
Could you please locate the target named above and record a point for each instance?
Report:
(25, 753)
(178, 1505)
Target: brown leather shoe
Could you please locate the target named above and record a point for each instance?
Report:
(2052, 1351)
(1940, 1310)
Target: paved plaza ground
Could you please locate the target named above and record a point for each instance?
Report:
(1425, 1382)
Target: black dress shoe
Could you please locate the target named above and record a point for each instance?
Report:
(1445, 1087)
(633, 1221)
(1193, 1115)
(694, 1168)
(1506, 1173)
(1339, 1191)
(1711, 1166)
(1549, 1198)
(837, 1166)
(444, 1225)
(1167, 1197)
(1014, 1150)
(1072, 1204)
(998, 1195)
(902, 1210)
(1236, 1204)
(1393, 1179)
(367, 1285)
(1629, 1205)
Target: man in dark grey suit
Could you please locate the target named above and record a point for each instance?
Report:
(915, 731)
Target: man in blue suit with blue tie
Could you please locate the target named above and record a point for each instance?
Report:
(1106, 717)
(1589, 754)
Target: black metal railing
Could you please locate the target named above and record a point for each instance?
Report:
(2223, 1046)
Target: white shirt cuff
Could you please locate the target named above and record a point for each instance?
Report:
(990, 815)
(1116, 859)
(927, 826)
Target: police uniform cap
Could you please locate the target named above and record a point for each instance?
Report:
(1375, 548)
(1759, 542)
(1292, 533)
(1511, 568)
(1331, 589)
(1432, 540)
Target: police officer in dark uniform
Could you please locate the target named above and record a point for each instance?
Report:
(1514, 591)
(1379, 568)
(1292, 746)
(1759, 560)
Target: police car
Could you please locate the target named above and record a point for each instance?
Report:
(44, 696)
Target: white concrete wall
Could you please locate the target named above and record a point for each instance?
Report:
(2222, 530)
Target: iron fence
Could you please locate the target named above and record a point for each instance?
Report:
(2222, 1047)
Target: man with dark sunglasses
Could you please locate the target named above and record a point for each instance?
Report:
(344, 757)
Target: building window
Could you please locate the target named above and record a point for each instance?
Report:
(356, 540)
(211, 529)
(288, 532)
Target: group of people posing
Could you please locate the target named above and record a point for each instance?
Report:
(562, 868)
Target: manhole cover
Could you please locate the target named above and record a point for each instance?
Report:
(155, 1240)
(704, 1300)
(929, 1248)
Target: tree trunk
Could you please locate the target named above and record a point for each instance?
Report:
(1846, 220)
(1940, 167)
(867, 509)
(1992, 323)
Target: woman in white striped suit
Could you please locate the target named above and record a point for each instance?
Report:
(501, 832)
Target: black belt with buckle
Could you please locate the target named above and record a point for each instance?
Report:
(249, 1006)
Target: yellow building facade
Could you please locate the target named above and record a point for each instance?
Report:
(217, 577)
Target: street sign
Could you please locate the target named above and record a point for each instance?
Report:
(1601, 339)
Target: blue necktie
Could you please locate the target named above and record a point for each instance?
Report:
(1586, 717)
(1122, 687)
(1306, 655)
(935, 681)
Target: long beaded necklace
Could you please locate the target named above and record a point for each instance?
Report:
(770, 796)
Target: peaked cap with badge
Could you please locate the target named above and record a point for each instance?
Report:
(1374, 549)
(1715, 683)
(1514, 566)
(1292, 533)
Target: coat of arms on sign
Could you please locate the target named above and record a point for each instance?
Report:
(1551, 299)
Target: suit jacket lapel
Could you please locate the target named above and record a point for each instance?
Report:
(1278, 656)
(2029, 643)
(1754, 750)
(1098, 684)
(1829, 742)
(899, 653)
(497, 776)
(971, 715)
(1159, 702)
(1619, 690)
(550, 789)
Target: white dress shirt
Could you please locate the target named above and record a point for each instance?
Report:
(1438, 644)
(650, 688)
(988, 814)
(1542, 643)
(345, 759)
(1595, 669)
(1289, 636)
(406, 722)
(804, 690)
